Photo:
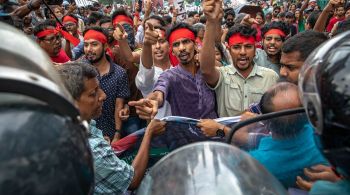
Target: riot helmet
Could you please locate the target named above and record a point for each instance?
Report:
(44, 144)
(324, 85)
(209, 168)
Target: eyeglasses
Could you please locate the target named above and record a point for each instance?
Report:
(109, 29)
(69, 25)
(54, 38)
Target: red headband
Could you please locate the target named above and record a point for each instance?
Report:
(93, 34)
(65, 34)
(181, 34)
(276, 32)
(238, 38)
(122, 18)
(44, 33)
(69, 19)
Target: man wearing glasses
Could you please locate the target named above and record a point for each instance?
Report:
(70, 23)
(49, 39)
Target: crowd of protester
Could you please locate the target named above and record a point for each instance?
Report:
(126, 66)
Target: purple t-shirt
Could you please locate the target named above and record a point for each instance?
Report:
(188, 95)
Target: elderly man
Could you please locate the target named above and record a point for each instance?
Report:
(112, 175)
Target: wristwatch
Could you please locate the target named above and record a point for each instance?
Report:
(220, 132)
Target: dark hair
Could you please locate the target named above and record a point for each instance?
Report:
(260, 14)
(343, 26)
(203, 19)
(245, 31)
(105, 19)
(312, 19)
(155, 17)
(275, 25)
(94, 18)
(108, 6)
(121, 11)
(73, 75)
(282, 15)
(96, 28)
(178, 26)
(304, 42)
(221, 51)
(192, 13)
(229, 11)
(43, 26)
(167, 19)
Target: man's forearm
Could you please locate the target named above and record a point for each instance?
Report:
(157, 96)
(141, 160)
(146, 56)
(118, 107)
(207, 55)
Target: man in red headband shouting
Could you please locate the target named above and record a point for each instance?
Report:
(242, 83)
(183, 86)
(113, 80)
(274, 34)
(49, 39)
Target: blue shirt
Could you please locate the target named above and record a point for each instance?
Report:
(287, 158)
(112, 175)
(115, 85)
(325, 188)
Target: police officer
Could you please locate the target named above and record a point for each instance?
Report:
(44, 147)
(325, 87)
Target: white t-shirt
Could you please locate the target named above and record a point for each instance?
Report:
(145, 81)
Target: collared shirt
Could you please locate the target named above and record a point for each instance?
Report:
(286, 158)
(112, 175)
(234, 93)
(145, 81)
(188, 95)
(261, 59)
(115, 85)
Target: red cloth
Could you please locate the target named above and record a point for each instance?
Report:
(332, 21)
(258, 36)
(61, 57)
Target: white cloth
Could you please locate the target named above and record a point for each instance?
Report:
(145, 80)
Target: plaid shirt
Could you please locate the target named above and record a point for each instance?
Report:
(112, 175)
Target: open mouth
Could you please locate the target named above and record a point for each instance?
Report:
(242, 61)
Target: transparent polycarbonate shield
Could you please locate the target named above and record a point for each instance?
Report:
(209, 168)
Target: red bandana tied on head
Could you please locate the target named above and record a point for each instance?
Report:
(69, 19)
(175, 35)
(93, 34)
(122, 18)
(58, 29)
(182, 33)
(237, 38)
(276, 32)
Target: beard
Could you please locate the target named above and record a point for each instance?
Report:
(98, 58)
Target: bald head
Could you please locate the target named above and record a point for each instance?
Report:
(282, 96)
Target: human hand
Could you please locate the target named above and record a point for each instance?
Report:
(248, 21)
(124, 113)
(247, 115)
(120, 33)
(318, 172)
(332, 4)
(156, 127)
(107, 139)
(151, 35)
(148, 7)
(213, 10)
(209, 127)
(145, 108)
